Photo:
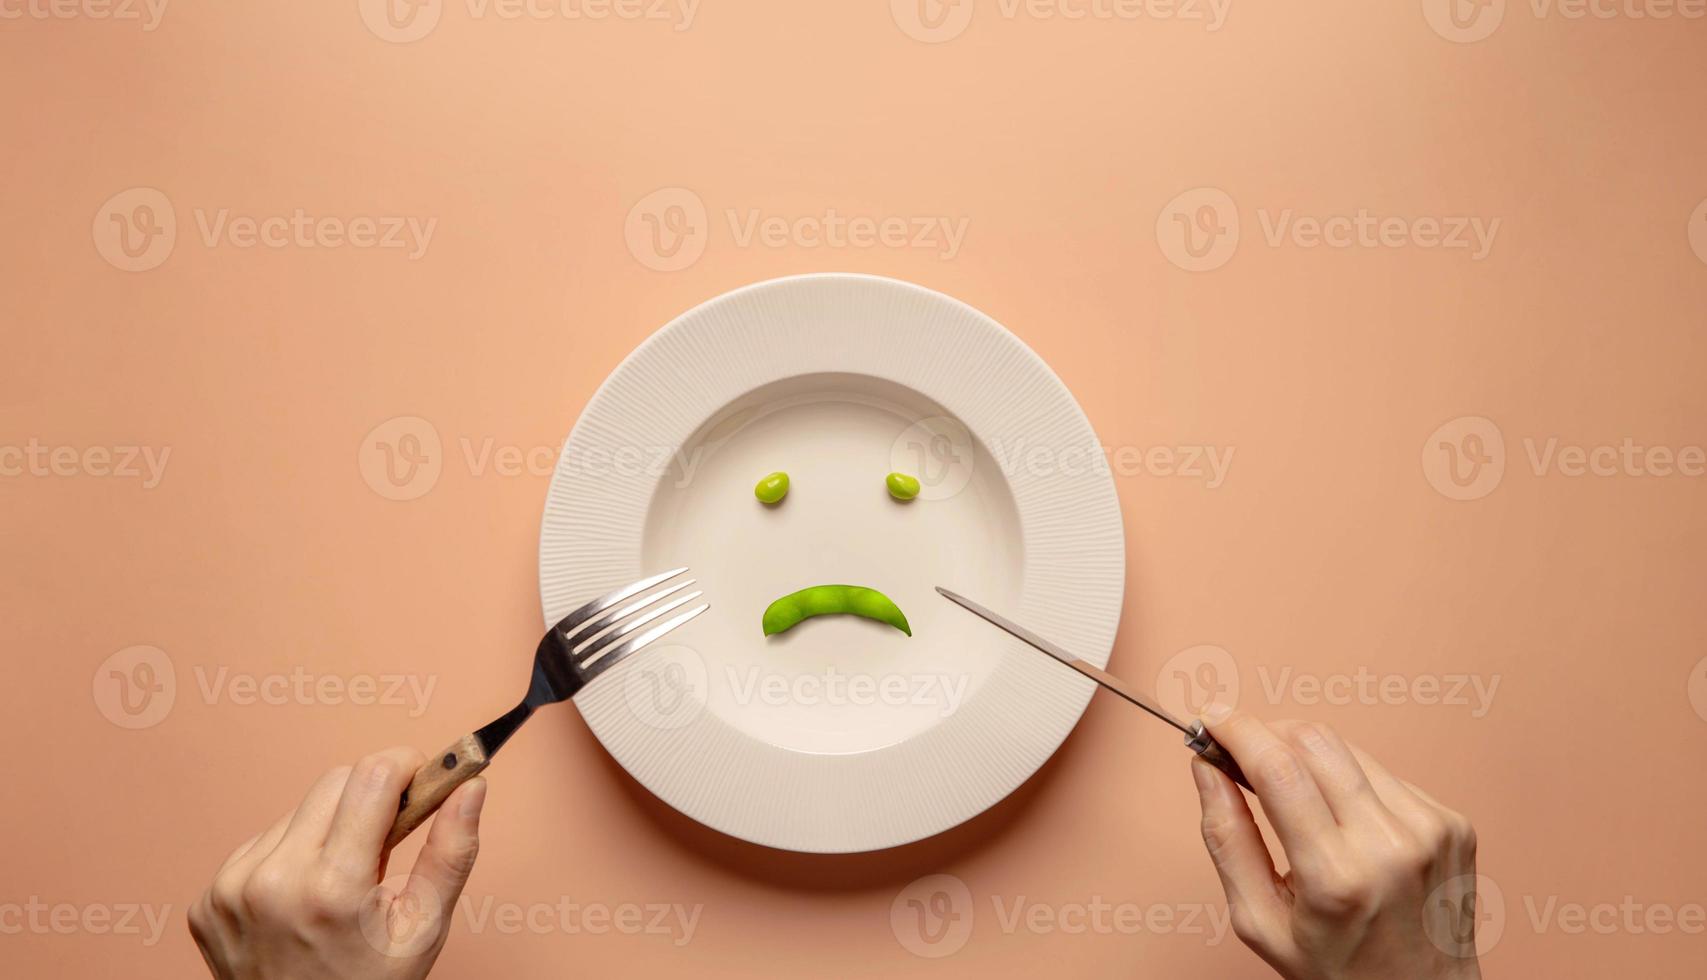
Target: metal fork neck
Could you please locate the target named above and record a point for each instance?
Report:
(493, 736)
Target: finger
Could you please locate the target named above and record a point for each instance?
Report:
(1338, 775)
(1394, 792)
(1288, 792)
(368, 808)
(1241, 858)
(307, 828)
(447, 858)
(258, 847)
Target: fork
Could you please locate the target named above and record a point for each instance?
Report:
(583, 645)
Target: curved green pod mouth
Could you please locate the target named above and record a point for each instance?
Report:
(828, 600)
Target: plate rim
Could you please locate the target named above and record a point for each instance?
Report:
(1074, 692)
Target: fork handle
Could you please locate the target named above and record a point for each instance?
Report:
(461, 761)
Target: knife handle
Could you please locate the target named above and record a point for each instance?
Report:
(1210, 751)
(460, 761)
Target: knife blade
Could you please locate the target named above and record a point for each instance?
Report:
(1197, 738)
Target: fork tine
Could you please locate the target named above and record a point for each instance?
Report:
(591, 651)
(590, 629)
(640, 642)
(610, 599)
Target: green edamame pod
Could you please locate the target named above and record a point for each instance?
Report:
(826, 600)
(772, 488)
(901, 486)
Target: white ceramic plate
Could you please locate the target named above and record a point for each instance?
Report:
(842, 734)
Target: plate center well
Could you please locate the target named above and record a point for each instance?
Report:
(838, 684)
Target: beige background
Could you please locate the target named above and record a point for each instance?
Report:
(1326, 550)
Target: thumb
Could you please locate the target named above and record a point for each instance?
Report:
(447, 858)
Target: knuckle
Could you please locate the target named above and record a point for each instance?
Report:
(1433, 832)
(1244, 925)
(1279, 767)
(268, 890)
(460, 857)
(372, 769)
(225, 894)
(327, 895)
(1339, 896)
(1218, 834)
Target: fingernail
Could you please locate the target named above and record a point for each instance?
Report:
(1216, 713)
(1204, 778)
(474, 797)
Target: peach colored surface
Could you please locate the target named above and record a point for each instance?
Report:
(1349, 382)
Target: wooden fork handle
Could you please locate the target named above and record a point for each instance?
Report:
(461, 761)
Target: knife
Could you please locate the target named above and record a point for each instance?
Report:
(1197, 738)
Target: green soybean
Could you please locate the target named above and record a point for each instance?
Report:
(901, 486)
(826, 600)
(772, 488)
